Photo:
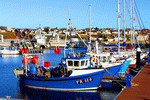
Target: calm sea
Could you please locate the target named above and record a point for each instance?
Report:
(9, 84)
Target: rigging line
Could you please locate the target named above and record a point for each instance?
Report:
(140, 19)
(140, 25)
(114, 78)
(139, 15)
(128, 8)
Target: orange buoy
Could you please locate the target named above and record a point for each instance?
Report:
(127, 71)
(25, 50)
(57, 50)
(35, 56)
(38, 70)
(33, 61)
(106, 50)
(21, 51)
(97, 60)
(25, 61)
(94, 51)
(46, 64)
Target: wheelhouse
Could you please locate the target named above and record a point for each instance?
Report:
(98, 59)
(77, 63)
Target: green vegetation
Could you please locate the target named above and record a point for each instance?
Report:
(8, 35)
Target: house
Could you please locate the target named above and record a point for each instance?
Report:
(142, 38)
(11, 29)
(3, 29)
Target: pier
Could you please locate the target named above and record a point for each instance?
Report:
(140, 89)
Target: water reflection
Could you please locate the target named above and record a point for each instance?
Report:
(37, 94)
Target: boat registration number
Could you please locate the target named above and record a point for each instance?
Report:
(84, 81)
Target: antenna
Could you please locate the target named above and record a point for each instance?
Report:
(68, 12)
(118, 26)
(69, 26)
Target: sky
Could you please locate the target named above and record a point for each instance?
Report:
(55, 13)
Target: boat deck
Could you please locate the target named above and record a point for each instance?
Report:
(140, 89)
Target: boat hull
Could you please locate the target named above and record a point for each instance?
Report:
(124, 67)
(74, 83)
(112, 71)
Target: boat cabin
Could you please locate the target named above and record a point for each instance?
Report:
(100, 58)
(78, 62)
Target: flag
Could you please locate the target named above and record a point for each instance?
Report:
(119, 15)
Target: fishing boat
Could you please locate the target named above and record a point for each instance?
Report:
(72, 77)
(115, 66)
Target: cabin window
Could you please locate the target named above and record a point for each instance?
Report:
(86, 63)
(70, 63)
(76, 63)
(82, 63)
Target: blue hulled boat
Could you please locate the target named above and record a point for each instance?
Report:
(71, 83)
(124, 68)
(73, 75)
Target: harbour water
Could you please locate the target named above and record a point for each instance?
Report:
(9, 84)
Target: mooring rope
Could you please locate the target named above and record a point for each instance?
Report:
(133, 70)
(114, 78)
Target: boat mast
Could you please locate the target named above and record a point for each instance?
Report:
(124, 22)
(131, 21)
(90, 26)
(67, 32)
(118, 26)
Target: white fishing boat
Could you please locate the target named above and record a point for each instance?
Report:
(9, 51)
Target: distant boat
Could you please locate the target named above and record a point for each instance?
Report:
(9, 51)
(112, 68)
